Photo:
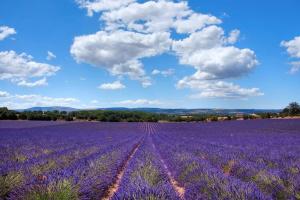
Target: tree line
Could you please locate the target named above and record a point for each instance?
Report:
(293, 109)
(98, 115)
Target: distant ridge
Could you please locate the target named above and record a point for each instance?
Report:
(194, 111)
(162, 110)
(44, 109)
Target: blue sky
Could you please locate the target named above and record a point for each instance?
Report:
(174, 54)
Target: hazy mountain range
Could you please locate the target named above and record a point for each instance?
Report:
(161, 110)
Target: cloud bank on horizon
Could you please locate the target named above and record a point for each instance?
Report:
(132, 32)
(17, 101)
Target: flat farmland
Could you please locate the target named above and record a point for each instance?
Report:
(255, 159)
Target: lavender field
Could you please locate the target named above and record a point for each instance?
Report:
(257, 159)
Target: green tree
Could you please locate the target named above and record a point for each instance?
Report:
(6, 114)
(292, 109)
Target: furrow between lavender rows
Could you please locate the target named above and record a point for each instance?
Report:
(145, 177)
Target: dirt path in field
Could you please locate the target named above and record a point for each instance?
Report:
(115, 185)
(178, 189)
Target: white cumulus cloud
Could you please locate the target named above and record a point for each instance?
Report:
(139, 102)
(215, 59)
(25, 83)
(157, 16)
(222, 62)
(95, 102)
(135, 30)
(195, 22)
(217, 89)
(155, 72)
(50, 55)
(164, 73)
(117, 85)
(119, 52)
(6, 31)
(233, 36)
(19, 68)
(293, 49)
(102, 5)
(4, 94)
(207, 52)
(295, 67)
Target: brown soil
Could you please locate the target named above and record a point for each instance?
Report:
(115, 185)
(178, 189)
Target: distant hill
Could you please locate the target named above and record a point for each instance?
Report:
(163, 110)
(59, 108)
(196, 111)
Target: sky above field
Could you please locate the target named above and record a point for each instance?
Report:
(169, 54)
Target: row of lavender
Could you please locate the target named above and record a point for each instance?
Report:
(233, 160)
(63, 161)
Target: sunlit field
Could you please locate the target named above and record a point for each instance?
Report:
(257, 159)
